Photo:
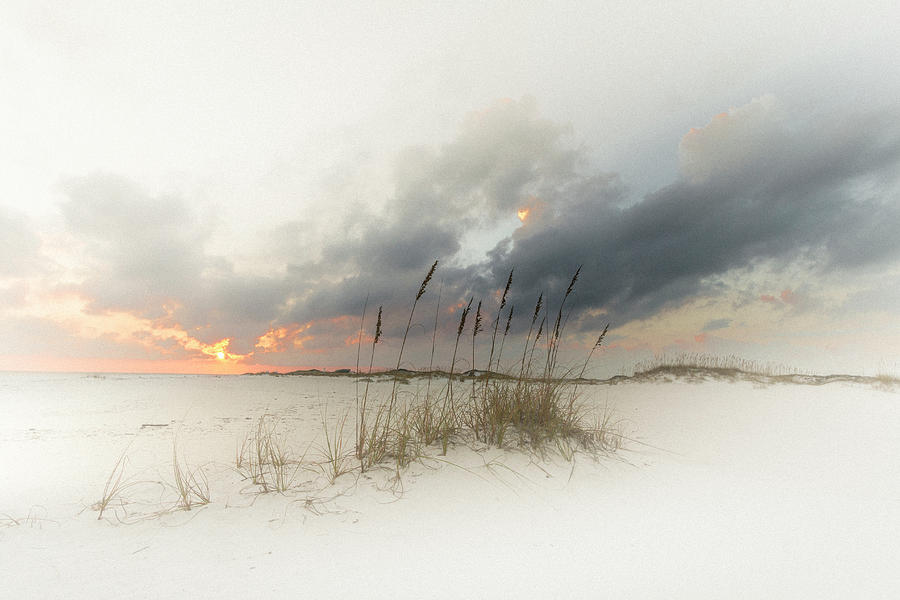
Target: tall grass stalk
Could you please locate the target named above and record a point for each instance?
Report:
(497, 320)
(537, 311)
(554, 336)
(459, 330)
(362, 322)
(412, 311)
(365, 441)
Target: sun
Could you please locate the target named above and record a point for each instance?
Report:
(522, 213)
(220, 355)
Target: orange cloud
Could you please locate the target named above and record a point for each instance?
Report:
(282, 338)
(455, 307)
(162, 336)
(219, 350)
(352, 340)
(768, 298)
(531, 210)
(788, 297)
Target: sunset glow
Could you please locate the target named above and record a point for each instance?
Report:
(219, 351)
(692, 175)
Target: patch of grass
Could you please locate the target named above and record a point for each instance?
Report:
(192, 485)
(687, 364)
(34, 518)
(115, 485)
(533, 405)
(265, 459)
(537, 404)
(336, 457)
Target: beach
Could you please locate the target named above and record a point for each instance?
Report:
(721, 489)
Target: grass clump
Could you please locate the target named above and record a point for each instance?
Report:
(192, 485)
(336, 457)
(532, 403)
(535, 403)
(116, 484)
(264, 458)
(729, 365)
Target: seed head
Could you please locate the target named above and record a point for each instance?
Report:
(462, 318)
(426, 280)
(537, 308)
(378, 327)
(572, 283)
(602, 335)
(506, 289)
(540, 330)
(477, 327)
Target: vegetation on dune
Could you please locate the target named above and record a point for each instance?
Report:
(536, 404)
(533, 405)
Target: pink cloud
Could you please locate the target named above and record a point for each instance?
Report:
(788, 297)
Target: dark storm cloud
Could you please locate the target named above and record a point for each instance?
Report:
(758, 184)
(824, 189)
(501, 157)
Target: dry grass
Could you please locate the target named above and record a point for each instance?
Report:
(684, 364)
(535, 406)
(265, 459)
(116, 484)
(192, 485)
(336, 459)
(35, 518)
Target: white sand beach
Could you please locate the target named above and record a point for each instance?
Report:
(723, 489)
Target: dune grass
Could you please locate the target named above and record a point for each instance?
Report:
(685, 363)
(265, 459)
(532, 404)
(33, 519)
(192, 486)
(115, 485)
(335, 456)
(536, 403)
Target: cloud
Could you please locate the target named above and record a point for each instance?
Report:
(716, 324)
(789, 297)
(740, 141)
(144, 252)
(146, 256)
(19, 245)
(505, 157)
(760, 184)
(823, 188)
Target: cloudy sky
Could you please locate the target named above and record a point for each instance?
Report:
(222, 187)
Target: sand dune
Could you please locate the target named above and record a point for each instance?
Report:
(724, 489)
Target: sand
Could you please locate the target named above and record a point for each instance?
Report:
(726, 489)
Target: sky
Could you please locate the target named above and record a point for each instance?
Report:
(225, 187)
